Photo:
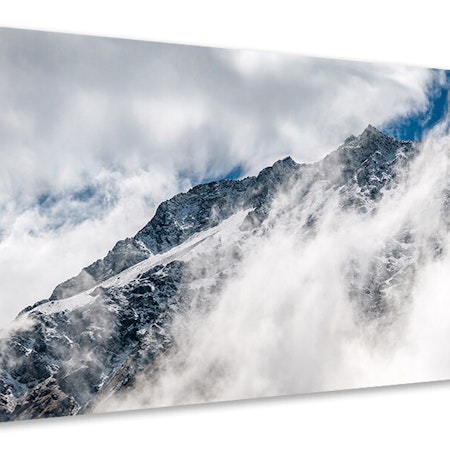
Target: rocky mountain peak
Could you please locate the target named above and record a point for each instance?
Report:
(119, 309)
(366, 157)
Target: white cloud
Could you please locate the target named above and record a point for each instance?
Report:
(35, 256)
(153, 117)
(258, 63)
(166, 120)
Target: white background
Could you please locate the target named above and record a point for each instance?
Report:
(403, 417)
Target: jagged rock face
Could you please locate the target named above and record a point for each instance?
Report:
(69, 355)
(365, 161)
(177, 219)
(116, 315)
(125, 254)
(366, 165)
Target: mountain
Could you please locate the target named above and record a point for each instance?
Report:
(113, 322)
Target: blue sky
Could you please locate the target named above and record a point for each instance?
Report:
(413, 127)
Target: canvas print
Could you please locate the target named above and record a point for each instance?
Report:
(184, 224)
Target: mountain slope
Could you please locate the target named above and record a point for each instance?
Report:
(114, 321)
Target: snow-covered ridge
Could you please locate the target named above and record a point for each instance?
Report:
(179, 253)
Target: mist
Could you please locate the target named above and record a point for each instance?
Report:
(293, 314)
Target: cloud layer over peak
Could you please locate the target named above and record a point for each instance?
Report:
(95, 132)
